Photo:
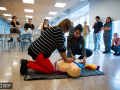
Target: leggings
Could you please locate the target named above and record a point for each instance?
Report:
(41, 64)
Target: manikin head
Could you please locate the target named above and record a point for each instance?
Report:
(71, 68)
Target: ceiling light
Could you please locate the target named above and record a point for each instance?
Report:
(7, 14)
(26, 19)
(27, 16)
(28, 1)
(48, 18)
(53, 13)
(60, 4)
(9, 18)
(3, 8)
(28, 10)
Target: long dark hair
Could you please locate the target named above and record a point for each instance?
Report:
(78, 27)
(110, 19)
(45, 20)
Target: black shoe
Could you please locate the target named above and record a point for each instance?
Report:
(117, 54)
(18, 40)
(11, 40)
(23, 68)
(107, 52)
(104, 51)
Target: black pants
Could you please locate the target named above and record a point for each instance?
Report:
(12, 30)
(79, 52)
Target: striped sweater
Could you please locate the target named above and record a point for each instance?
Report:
(51, 39)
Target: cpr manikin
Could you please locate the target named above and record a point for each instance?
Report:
(71, 68)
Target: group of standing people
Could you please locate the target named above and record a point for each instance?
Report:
(107, 35)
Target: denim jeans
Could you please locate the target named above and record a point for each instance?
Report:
(96, 39)
(79, 52)
(107, 42)
(116, 49)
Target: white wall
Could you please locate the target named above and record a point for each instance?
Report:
(104, 8)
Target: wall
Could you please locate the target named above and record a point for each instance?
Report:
(104, 8)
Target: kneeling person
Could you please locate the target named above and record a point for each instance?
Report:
(76, 45)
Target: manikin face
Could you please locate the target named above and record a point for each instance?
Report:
(97, 20)
(108, 20)
(77, 34)
(115, 36)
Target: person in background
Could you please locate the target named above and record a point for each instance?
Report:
(45, 26)
(29, 27)
(96, 36)
(14, 28)
(86, 31)
(107, 35)
(76, 45)
(41, 49)
(116, 44)
(71, 28)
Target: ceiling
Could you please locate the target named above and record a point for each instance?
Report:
(41, 9)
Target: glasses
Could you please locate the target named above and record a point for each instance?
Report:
(115, 35)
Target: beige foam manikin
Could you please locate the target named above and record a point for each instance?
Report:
(71, 68)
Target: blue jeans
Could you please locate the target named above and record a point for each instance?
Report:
(107, 42)
(116, 49)
(96, 39)
(79, 52)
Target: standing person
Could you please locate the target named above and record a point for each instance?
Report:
(41, 49)
(14, 28)
(107, 35)
(116, 44)
(45, 26)
(71, 28)
(29, 27)
(76, 45)
(96, 36)
(86, 31)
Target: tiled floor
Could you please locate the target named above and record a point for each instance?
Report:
(109, 64)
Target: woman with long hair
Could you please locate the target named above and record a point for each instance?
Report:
(107, 35)
(41, 49)
(45, 26)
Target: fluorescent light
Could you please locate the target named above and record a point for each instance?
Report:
(26, 19)
(3, 8)
(28, 10)
(28, 1)
(9, 18)
(48, 18)
(7, 14)
(53, 13)
(27, 16)
(7, 73)
(60, 4)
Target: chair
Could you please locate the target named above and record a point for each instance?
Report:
(14, 36)
(26, 38)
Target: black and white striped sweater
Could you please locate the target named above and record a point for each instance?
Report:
(51, 39)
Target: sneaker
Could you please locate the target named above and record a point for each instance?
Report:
(107, 52)
(104, 51)
(11, 40)
(117, 54)
(23, 68)
(18, 40)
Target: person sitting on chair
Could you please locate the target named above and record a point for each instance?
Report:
(28, 27)
(14, 28)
